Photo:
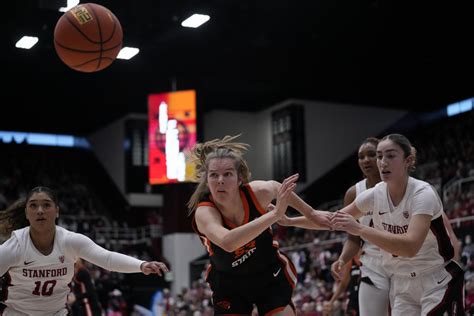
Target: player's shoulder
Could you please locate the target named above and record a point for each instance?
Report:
(69, 238)
(20, 236)
(350, 194)
(64, 234)
(15, 245)
(420, 186)
(63, 231)
(379, 187)
(263, 186)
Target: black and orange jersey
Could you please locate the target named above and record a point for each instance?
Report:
(257, 255)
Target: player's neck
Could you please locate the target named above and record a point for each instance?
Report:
(372, 181)
(397, 190)
(43, 240)
(231, 208)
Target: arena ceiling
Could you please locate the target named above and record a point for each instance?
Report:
(250, 55)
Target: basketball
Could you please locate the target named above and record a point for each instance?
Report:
(88, 37)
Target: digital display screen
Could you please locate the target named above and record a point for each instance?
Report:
(172, 134)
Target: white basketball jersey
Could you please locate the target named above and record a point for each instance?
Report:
(369, 249)
(419, 198)
(38, 283)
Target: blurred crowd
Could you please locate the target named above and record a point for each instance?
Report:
(446, 161)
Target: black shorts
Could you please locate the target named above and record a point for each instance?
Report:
(270, 290)
(353, 305)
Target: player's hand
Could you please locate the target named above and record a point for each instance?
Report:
(284, 221)
(71, 298)
(321, 218)
(346, 222)
(336, 269)
(284, 193)
(327, 308)
(154, 267)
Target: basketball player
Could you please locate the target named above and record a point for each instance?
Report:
(229, 215)
(349, 283)
(37, 261)
(83, 299)
(374, 288)
(409, 228)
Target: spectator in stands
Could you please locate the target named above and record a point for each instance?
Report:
(38, 260)
(470, 297)
(408, 226)
(84, 300)
(229, 216)
(116, 306)
(467, 251)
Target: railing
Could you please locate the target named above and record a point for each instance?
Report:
(319, 243)
(454, 185)
(138, 235)
(127, 235)
(118, 235)
(456, 222)
(86, 218)
(450, 187)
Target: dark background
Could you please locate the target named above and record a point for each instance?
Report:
(412, 55)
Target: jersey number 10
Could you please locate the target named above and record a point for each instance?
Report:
(46, 289)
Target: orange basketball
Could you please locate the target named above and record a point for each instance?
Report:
(88, 37)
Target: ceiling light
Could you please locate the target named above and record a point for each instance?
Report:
(127, 53)
(195, 20)
(70, 4)
(27, 42)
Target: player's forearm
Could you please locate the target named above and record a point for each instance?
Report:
(350, 249)
(396, 244)
(342, 285)
(239, 236)
(304, 222)
(114, 261)
(86, 249)
(301, 206)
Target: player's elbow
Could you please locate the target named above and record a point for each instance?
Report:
(409, 253)
(228, 244)
(272, 186)
(411, 249)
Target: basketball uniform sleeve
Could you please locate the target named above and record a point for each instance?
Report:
(365, 201)
(426, 201)
(83, 247)
(10, 254)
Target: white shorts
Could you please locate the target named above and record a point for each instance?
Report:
(438, 290)
(11, 312)
(372, 269)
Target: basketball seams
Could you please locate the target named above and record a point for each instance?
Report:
(93, 60)
(76, 45)
(113, 32)
(98, 24)
(87, 51)
(99, 28)
(114, 19)
(77, 29)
